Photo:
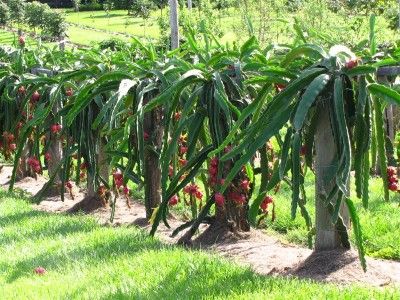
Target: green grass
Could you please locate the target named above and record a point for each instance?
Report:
(10, 38)
(86, 261)
(119, 21)
(380, 223)
(88, 37)
(279, 28)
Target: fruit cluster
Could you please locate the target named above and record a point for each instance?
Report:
(237, 191)
(193, 190)
(351, 64)
(9, 143)
(119, 183)
(56, 128)
(35, 98)
(21, 40)
(392, 178)
(83, 168)
(34, 163)
(173, 200)
(265, 203)
(47, 157)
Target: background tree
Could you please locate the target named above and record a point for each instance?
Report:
(4, 14)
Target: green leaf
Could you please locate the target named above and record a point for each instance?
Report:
(360, 70)
(273, 125)
(296, 167)
(372, 40)
(285, 152)
(384, 92)
(380, 145)
(345, 158)
(84, 97)
(308, 98)
(309, 50)
(357, 233)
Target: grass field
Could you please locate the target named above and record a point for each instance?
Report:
(120, 22)
(339, 29)
(89, 28)
(86, 261)
(380, 223)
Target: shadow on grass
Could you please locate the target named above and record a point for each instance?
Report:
(175, 286)
(112, 15)
(95, 249)
(41, 226)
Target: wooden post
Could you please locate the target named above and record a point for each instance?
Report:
(153, 126)
(327, 237)
(61, 43)
(174, 23)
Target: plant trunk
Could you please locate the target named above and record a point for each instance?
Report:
(153, 125)
(24, 170)
(327, 236)
(55, 149)
(174, 23)
(103, 169)
(190, 4)
(232, 215)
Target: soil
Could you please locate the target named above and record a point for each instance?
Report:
(265, 254)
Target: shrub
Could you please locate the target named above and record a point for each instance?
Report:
(141, 8)
(113, 44)
(34, 13)
(54, 24)
(17, 10)
(91, 7)
(4, 14)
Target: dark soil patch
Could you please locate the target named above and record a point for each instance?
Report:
(87, 205)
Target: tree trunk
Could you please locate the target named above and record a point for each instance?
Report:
(190, 4)
(327, 236)
(174, 23)
(153, 126)
(103, 169)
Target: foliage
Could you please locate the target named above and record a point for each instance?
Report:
(35, 14)
(221, 107)
(4, 14)
(17, 10)
(54, 23)
(141, 8)
(76, 4)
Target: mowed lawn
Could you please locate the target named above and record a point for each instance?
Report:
(86, 261)
(119, 21)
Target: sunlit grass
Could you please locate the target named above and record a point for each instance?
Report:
(380, 222)
(86, 261)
